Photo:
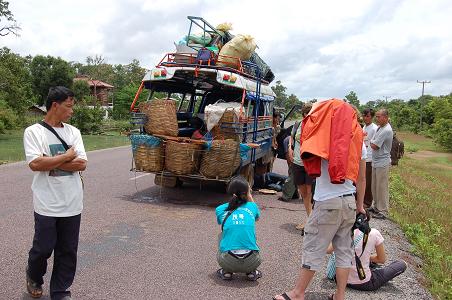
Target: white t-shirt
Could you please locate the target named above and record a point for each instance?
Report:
(370, 130)
(56, 193)
(375, 239)
(325, 190)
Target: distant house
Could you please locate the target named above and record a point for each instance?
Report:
(36, 111)
(100, 90)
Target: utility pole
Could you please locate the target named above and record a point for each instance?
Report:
(386, 99)
(420, 100)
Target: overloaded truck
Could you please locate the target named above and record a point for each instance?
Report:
(209, 112)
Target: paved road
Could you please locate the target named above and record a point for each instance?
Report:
(139, 241)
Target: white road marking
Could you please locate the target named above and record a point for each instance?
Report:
(139, 176)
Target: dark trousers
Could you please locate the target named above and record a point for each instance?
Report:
(58, 235)
(381, 276)
(368, 195)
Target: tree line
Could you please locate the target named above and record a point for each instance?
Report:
(25, 81)
(427, 115)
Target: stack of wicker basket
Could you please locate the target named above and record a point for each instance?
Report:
(148, 153)
(182, 158)
(221, 160)
(162, 118)
(226, 127)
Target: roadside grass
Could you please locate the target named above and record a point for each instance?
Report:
(421, 203)
(415, 142)
(12, 149)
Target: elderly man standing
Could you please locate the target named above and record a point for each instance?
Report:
(381, 145)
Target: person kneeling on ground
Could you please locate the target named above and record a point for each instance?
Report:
(238, 251)
(375, 277)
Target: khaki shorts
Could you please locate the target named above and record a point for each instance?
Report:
(330, 221)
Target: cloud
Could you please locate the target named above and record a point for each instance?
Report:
(318, 49)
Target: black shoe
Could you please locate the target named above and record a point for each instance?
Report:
(34, 289)
(379, 215)
(371, 209)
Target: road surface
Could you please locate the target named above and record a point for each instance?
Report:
(140, 241)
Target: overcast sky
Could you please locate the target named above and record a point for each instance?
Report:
(318, 49)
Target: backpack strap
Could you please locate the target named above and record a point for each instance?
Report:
(50, 128)
(226, 217)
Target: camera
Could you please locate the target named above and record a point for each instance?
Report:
(361, 223)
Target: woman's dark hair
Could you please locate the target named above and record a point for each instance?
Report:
(238, 187)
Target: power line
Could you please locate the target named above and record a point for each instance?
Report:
(420, 100)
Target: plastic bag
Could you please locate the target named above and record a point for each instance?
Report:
(241, 46)
(200, 38)
(224, 27)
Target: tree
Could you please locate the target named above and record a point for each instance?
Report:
(7, 16)
(281, 96)
(15, 81)
(49, 71)
(124, 98)
(81, 89)
(352, 98)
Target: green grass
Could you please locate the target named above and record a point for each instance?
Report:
(11, 144)
(422, 205)
(414, 142)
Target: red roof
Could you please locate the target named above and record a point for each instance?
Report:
(94, 82)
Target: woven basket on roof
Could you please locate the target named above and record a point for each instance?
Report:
(162, 118)
(221, 160)
(224, 130)
(182, 158)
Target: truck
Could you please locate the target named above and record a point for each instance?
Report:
(196, 84)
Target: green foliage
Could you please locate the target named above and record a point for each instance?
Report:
(8, 118)
(282, 99)
(352, 98)
(15, 81)
(81, 89)
(423, 209)
(123, 100)
(87, 119)
(49, 71)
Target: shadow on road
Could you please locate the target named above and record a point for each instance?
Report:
(210, 194)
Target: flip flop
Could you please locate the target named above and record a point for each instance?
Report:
(284, 295)
(224, 275)
(253, 276)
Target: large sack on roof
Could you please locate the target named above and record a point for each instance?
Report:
(241, 46)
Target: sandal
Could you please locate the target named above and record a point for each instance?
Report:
(253, 276)
(224, 275)
(284, 295)
(301, 228)
(34, 289)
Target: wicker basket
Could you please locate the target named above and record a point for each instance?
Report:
(182, 158)
(162, 118)
(148, 153)
(222, 160)
(229, 119)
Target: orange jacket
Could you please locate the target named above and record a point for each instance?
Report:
(331, 131)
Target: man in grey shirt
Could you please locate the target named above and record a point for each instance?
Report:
(381, 144)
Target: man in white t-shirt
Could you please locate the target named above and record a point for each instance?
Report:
(381, 145)
(57, 194)
(369, 131)
(331, 220)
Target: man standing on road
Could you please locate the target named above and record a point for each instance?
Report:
(331, 220)
(369, 131)
(381, 145)
(55, 153)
